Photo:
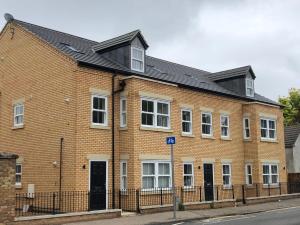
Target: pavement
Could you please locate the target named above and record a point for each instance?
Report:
(193, 216)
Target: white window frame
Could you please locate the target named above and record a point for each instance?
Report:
(19, 174)
(18, 115)
(186, 121)
(268, 129)
(156, 174)
(123, 112)
(155, 113)
(250, 88)
(229, 174)
(99, 110)
(270, 174)
(188, 175)
(211, 124)
(225, 126)
(123, 186)
(248, 174)
(246, 128)
(133, 58)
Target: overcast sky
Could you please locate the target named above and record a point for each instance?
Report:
(211, 35)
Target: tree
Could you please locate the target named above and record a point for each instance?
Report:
(291, 103)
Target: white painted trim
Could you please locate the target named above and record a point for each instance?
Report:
(121, 174)
(228, 125)
(122, 98)
(133, 58)
(186, 121)
(211, 124)
(106, 183)
(244, 128)
(260, 103)
(252, 87)
(105, 124)
(246, 173)
(230, 175)
(268, 129)
(267, 115)
(193, 173)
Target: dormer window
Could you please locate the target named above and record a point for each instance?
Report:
(249, 87)
(137, 59)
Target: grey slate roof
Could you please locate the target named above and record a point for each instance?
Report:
(236, 72)
(291, 134)
(155, 68)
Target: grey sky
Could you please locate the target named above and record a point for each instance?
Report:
(211, 35)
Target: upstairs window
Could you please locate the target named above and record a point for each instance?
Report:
(18, 115)
(186, 118)
(155, 113)
(99, 110)
(249, 87)
(206, 123)
(246, 125)
(268, 129)
(137, 59)
(224, 126)
(123, 112)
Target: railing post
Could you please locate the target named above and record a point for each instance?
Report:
(182, 195)
(256, 190)
(217, 193)
(120, 205)
(279, 188)
(89, 201)
(232, 191)
(138, 200)
(269, 190)
(200, 194)
(243, 194)
(161, 196)
(53, 203)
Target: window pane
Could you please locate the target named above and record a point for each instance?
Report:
(186, 115)
(206, 118)
(263, 133)
(147, 106)
(274, 169)
(265, 169)
(124, 118)
(124, 169)
(188, 181)
(226, 169)
(247, 133)
(98, 117)
(148, 169)
(163, 168)
(18, 169)
(186, 127)
(148, 182)
(224, 121)
(162, 108)
(246, 123)
(147, 119)
(137, 54)
(272, 134)
(99, 103)
(124, 182)
(123, 105)
(18, 178)
(249, 169)
(274, 179)
(224, 131)
(206, 129)
(249, 179)
(162, 121)
(271, 124)
(263, 123)
(188, 169)
(266, 179)
(163, 182)
(226, 180)
(138, 65)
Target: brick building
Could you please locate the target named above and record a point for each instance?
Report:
(86, 115)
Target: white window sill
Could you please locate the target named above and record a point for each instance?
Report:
(227, 187)
(247, 139)
(18, 186)
(208, 137)
(187, 135)
(98, 126)
(156, 191)
(250, 186)
(156, 129)
(18, 127)
(226, 139)
(123, 128)
(266, 186)
(269, 140)
(189, 189)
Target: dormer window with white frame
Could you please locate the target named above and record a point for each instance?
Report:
(137, 59)
(250, 87)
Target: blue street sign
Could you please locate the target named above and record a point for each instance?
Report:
(171, 140)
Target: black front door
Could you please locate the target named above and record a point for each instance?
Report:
(208, 182)
(98, 185)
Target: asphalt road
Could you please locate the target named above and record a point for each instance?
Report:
(289, 216)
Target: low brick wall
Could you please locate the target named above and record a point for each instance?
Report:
(67, 217)
(264, 199)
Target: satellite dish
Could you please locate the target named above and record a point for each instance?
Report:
(8, 17)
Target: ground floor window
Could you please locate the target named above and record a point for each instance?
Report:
(226, 175)
(270, 174)
(156, 174)
(123, 173)
(188, 175)
(248, 170)
(18, 174)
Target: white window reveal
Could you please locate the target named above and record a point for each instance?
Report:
(18, 174)
(123, 112)
(270, 174)
(137, 59)
(156, 175)
(123, 172)
(18, 115)
(186, 121)
(206, 118)
(248, 172)
(268, 129)
(99, 110)
(250, 87)
(246, 126)
(224, 126)
(226, 170)
(188, 175)
(155, 113)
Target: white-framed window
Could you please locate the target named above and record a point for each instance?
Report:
(268, 128)
(18, 174)
(224, 121)
(226, 173)
(246, 126)
(155, 113)
(123, 174)
(250, 87)
(99, 110)
(19, 114)
(137, 59)
(248, 173)
(206, 123)
(270, 174)
(156, 174)
(123, 112)
(188, 174)
(186, 121)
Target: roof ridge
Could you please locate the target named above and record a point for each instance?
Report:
(193, 68)
(56, 31)
(134, 31)
(237, 68)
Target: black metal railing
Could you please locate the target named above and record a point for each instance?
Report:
(43, 203)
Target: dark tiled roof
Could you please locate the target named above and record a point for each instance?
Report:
(291, 134)
(226, 74)
(125, 38)
(155, 68)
